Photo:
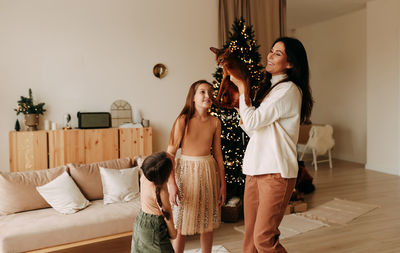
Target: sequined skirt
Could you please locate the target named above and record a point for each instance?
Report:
(198, 182)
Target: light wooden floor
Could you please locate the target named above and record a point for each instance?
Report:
(377, 231)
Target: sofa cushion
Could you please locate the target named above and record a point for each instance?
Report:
(63, 195)
(119, 185)
(18, 189)
(43, 228)
(88, 179)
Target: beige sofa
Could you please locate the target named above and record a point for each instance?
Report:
(29, 224)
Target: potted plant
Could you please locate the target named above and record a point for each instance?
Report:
(30, 110)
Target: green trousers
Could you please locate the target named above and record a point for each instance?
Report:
(150, 234)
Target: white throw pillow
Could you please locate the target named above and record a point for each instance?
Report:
(119, 185)
(63, 194)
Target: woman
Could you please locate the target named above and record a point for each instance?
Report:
(270, 163)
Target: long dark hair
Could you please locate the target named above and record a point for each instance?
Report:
(157, 168)
(188, 109)
(299, 74)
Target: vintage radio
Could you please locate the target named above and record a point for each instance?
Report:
(94, 120)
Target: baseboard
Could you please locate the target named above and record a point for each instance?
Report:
(396, 173)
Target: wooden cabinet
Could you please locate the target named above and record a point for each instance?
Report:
(66, 146)
(101, 145)
(82, 146)
(48, 149)
(28, 150)
(135, 141)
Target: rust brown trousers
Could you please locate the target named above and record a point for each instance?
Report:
(265, 200)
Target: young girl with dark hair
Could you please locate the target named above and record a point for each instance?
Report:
(154, 227)
(283, 101)
(197, 184)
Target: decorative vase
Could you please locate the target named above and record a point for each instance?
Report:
(32, 121)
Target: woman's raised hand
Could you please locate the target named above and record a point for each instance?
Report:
(236, 81)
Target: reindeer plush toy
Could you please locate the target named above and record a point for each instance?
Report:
(228, 94)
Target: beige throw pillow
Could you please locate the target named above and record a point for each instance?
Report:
(63, 195)
(87, 176)
(18, 189)
(120, 185)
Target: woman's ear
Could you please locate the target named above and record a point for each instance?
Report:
(289, 65)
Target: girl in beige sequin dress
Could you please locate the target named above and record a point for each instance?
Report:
(197, 183)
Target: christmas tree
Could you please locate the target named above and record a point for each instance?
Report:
(233, 139)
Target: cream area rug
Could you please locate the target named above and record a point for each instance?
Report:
(292, 225)
(215, 249)
(338, 211)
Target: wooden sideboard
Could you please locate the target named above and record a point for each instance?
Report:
(28, 151)
(47, 149)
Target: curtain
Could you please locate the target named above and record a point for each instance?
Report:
(268, 18)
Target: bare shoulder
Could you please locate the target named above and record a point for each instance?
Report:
(215, 121)
(181, 118)
(180, 121)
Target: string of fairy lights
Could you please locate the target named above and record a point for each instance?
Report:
(26, 105)
(233, 139)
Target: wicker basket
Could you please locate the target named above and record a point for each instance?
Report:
(232, 213)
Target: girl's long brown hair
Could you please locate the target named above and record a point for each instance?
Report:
(188, 109)
(299, 74)
(157, 168)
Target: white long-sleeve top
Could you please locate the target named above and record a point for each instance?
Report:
(273, 128)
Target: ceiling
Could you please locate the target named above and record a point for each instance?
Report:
(305, 12)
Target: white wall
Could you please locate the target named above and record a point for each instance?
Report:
(85, 54)
(383, 70)
(337, 57)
